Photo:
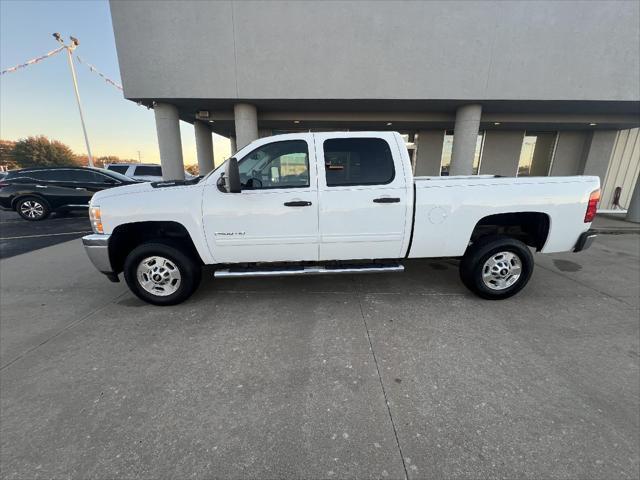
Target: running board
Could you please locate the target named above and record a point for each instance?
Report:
(283, 272)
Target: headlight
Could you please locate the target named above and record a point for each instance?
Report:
(96, 219)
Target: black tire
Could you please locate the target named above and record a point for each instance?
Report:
(188, 268)
(473, 264)
(33, 208)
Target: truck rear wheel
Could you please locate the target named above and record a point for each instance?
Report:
(496, 267)
(161, 274)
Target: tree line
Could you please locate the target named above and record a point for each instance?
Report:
(40, 151)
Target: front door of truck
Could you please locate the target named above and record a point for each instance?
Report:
(275, 217)
(363, 196)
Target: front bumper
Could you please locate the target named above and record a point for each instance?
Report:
(97, 248)
(585, 240)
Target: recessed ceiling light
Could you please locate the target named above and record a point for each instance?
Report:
(296, 121)
(389, 124)
(496, 123)
(593, 124)
(210, 121)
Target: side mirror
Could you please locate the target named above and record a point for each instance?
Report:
(232, 176)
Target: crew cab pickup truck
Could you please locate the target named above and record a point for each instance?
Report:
(328, 203)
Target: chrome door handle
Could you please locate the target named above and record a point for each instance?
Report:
(41, 186)
(80, 188)
(386, 200)
(297, 203)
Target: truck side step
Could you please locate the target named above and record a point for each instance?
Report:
(313, 270)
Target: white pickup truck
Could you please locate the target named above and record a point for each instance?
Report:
(328, 203)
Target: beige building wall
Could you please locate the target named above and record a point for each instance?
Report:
(501, 152)
(570, 153)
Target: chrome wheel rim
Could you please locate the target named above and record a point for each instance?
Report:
(159, 276)
(32, 209)
(501, 270)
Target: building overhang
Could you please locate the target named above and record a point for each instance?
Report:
(413, 115)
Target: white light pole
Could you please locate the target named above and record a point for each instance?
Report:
(70, 48)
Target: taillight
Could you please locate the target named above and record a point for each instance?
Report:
(592, 207)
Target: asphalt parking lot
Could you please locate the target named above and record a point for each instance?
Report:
(376, 376)
(18, 236)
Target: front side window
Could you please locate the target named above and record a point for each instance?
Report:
(276, 165)
(358, 161)
(42, 175)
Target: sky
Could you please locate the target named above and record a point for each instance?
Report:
(39, 99)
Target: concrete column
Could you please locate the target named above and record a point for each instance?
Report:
(234, 148)
(168, 129)
(204, 147)
(465, 137)
(633, 212)
(429, 153)
(246, 119)
(599, 154)
(501, 152)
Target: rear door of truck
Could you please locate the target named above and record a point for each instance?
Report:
(364, 197)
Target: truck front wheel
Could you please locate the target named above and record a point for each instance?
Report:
(496, 267)
(161, 274)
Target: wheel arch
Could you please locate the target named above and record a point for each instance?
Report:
(530, 227)
(127, 236)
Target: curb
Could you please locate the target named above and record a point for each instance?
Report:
(616, 231)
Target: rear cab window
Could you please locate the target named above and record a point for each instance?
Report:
(358, 161)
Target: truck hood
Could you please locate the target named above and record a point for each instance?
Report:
(124, 190)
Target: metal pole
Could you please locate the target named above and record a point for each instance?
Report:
(70, 48)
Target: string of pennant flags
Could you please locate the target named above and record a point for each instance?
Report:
(91, 67)
(102, 75)
(33, 61)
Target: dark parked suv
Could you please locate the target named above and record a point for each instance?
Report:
(36, 192)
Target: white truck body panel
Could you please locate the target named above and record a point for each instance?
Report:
(343, 222)
(448, 209)
(143, 203)
(255, 225)
(352, 226)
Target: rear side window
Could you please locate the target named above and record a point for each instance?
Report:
(149, 170)
(358, 161)
(86, 176)
(119, 168)
(50, 175)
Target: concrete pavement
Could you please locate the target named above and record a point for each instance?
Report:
(326, 377)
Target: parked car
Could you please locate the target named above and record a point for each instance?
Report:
(36, 192)
(320, 203)
(145, 172)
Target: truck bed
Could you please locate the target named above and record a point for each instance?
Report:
(448, 209)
